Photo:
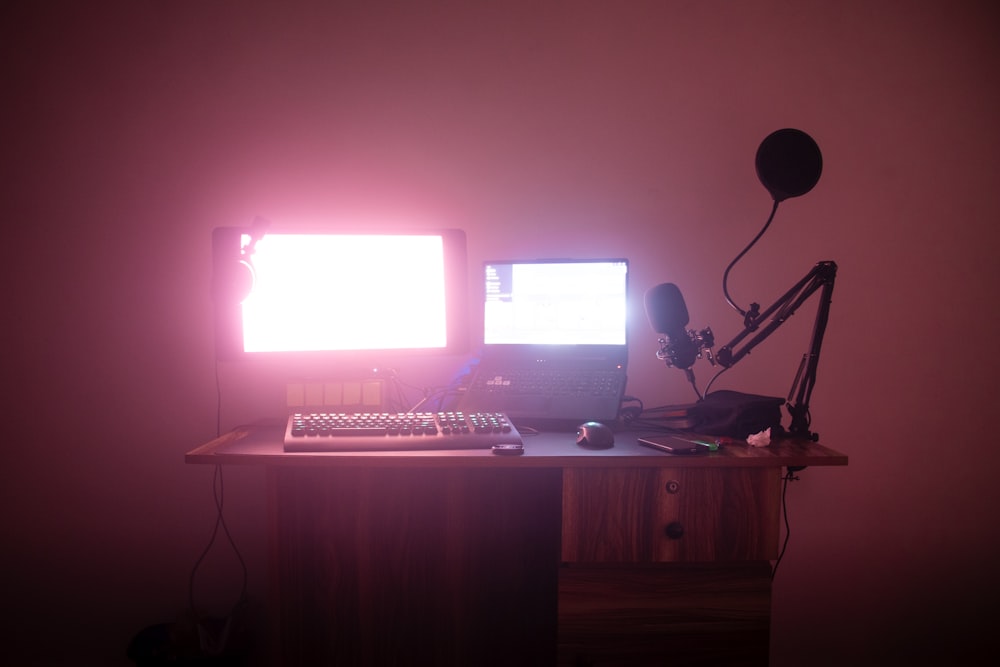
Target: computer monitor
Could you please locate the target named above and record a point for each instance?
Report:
(565, 302)
(338, 297)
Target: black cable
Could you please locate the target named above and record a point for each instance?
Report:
(694, 384)
(402, 403)
(789, 477)
(715, 377)
(218, 492)
(428, 395)
(725, 276)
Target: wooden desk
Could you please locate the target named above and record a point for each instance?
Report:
(565, 556)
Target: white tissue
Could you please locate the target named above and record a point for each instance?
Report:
(762, 439)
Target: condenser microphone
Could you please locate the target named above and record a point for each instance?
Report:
(788, 163)
(668, 315)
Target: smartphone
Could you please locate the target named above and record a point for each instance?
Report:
(674, 445)
(508, 450)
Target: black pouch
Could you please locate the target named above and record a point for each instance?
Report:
(735, 414)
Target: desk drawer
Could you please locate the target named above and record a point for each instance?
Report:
(665, 614)
(646, 515)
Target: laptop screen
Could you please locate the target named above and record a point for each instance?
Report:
(556, 302)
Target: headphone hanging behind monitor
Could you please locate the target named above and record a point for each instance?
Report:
(233, 273)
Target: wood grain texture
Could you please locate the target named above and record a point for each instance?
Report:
(622, 514)
(559, 556)
(667, 614)
(389, 567)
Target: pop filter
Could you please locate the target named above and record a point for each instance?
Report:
(788, 163)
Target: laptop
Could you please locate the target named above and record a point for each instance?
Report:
(554, 341)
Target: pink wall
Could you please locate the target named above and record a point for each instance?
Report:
(541, 128)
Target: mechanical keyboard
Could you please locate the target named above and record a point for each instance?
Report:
(385, 431)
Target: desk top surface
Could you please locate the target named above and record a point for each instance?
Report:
(262, 445)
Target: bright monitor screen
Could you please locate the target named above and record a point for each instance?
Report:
(329, 294)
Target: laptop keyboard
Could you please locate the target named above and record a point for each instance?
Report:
(551, 382)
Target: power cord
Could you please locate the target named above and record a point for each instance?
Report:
(431, 398)
(789, 477)
(213, 645)
(218, 493)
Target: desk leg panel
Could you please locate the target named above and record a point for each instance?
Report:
(384, 566)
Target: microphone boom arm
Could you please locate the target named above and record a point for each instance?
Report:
(821, 277)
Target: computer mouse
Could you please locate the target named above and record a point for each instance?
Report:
(595, 435)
